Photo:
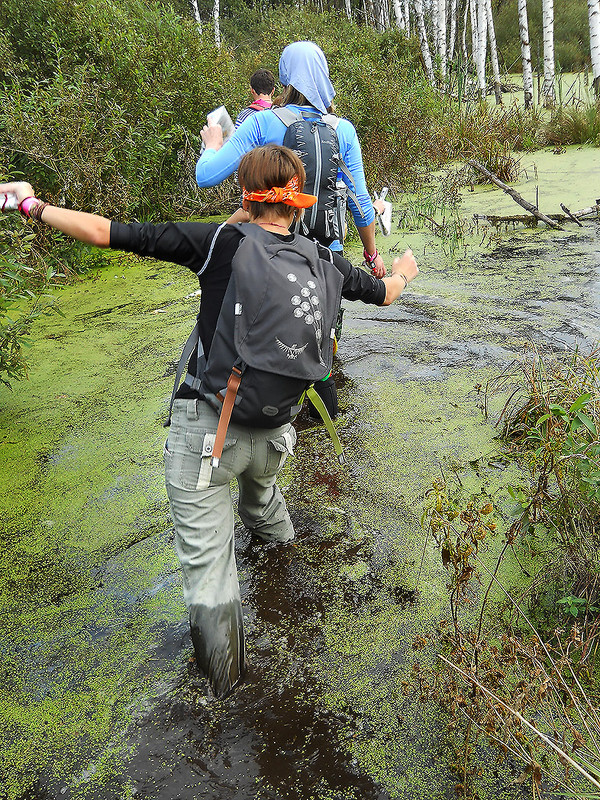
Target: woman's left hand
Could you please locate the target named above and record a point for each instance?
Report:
(212, 136)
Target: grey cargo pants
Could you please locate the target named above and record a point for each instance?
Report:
(202, 512)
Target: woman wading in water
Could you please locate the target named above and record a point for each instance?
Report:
(198, 489)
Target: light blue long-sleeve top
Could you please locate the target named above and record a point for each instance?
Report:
(266, 128)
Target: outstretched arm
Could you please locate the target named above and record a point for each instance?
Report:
(88, 228)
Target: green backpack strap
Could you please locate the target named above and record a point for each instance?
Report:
(322, 409)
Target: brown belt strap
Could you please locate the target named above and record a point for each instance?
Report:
(233, 384)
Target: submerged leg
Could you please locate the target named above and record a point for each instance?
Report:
(205, 547)
(202, 512)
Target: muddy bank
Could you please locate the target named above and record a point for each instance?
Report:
(100, 698)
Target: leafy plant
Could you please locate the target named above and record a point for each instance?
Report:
(573, 605)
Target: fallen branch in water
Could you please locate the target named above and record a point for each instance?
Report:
(514, 194)
(525, 219)
(572, 217)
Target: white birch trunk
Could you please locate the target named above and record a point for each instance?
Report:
(594, 20)
(196, 13)
(481, 16)
(348, 9)
(463, 38)
(406, 11)
(441, 37)
(425, 52)
(435, 24)
(548, 27)
(399, 14)
(216, 21)
(525, 54)
(452, 39)
(384, 15)
(474, 31)
(493, 51)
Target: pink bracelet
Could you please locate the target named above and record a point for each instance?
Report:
(370, 259)
(25, 205)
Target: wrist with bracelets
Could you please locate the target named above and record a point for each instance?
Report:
(370, 259)
(32, 208)
(401, 275)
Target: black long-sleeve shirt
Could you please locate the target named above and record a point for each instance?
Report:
(188, 244)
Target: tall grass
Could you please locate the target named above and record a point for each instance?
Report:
(574, 125)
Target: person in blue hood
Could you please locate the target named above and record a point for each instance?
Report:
(304, 72)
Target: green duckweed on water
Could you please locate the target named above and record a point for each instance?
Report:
(88, 571)
(90, 595)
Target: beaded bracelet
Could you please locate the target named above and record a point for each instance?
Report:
(36, 212)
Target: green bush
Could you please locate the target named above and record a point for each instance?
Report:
(22, 297)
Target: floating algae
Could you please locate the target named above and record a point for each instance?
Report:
(99, 696)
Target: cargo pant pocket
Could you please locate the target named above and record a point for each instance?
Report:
(278, 449)
(189, 465)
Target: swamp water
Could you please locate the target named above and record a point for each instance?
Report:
(99, 696)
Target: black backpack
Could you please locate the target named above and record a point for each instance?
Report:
(313, 137)
(274, 335)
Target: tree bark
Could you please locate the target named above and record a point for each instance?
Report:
(479, 35)
(398, 13)
(548, 27)
(425, 51)
(525, 54)
(594, 21)
(493, 52)
(406, 11)
(441, 36)
(196, 13)
(216, 21)
(514, 194)
(452, 39)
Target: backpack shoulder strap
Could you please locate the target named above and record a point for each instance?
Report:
(331, 119)
(286, 115)
(193, 342)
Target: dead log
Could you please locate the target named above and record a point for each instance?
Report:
(587, 212)
(571, 216)
(514, 194)
(526, 219)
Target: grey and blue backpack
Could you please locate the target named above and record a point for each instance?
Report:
(274, 335)
(313, 137)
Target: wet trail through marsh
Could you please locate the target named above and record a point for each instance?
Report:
(100, 697)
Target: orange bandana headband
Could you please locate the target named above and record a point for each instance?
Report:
(287, 194)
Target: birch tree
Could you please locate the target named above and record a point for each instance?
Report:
(399, 14)
(348, 9)
(479, 40)
(493, 51)
(441, 35)
(525, 54)
(196, 13)
(452, 36)
(216, 10)
(406, 11)
(422, 31)
(548, 29)
(594, 20)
